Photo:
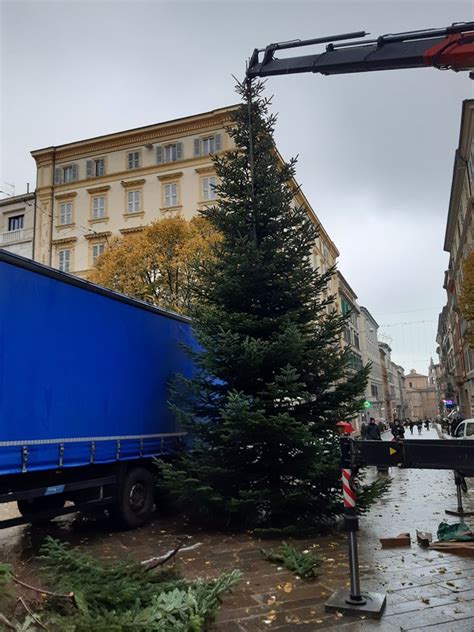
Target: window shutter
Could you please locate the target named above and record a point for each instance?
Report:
(57, 175)
(159, 154)
(218, 142)
(197, 146)
(179, 151)
(89, 169)
(74, 172)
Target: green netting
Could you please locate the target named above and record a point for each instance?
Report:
(459, 532)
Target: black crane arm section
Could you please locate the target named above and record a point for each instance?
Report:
(429, 454)
(446, 48)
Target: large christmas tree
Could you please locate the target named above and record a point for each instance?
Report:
(273, 379)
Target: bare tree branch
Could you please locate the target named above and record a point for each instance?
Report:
(70, 596)
(31, 613)
(153, 562)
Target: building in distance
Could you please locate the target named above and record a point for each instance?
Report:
(17, 215)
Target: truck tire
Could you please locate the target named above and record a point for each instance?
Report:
(135, 498)
(30, 508)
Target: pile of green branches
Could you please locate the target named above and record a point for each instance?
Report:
(94, 596)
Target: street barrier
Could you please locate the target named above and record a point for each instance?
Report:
(437, 454)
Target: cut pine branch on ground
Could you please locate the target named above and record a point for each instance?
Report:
(121, 595)
(303, 564)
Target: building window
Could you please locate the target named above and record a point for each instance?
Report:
(345, 306)
(69, 173)
(208, 188)
(207, 145)
(133, 201)
(133, 160)
(98, 207)
(170, 194)
(97, 250)
(347, 335)
(356, 341)
(169, 153)
(95, 168)
(65, 213)
(374, 390)
(15, 223)
(64, 260)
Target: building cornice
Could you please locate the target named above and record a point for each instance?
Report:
(17, 199)
(132, 183)
(93, 236)
(138, 136)
(100, 189)
(64, 240)
(65, 196)
(170, 176)
(133, 229)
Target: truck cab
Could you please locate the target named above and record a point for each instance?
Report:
(465, 430)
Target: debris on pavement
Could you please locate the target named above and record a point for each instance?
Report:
(424, 538)
(403, 539)
(458, 548)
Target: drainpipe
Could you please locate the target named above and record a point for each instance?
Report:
(34, 223)
(52, 210)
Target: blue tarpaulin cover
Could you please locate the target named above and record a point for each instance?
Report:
(84, 371)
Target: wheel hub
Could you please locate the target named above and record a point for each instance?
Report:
(137, 497)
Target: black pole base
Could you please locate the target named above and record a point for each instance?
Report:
(356, 601)
(372, 604)
(457, 512)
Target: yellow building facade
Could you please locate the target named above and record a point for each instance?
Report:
(114, 185)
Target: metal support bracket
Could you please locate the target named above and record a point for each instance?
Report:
(459, 482)
(24, 458)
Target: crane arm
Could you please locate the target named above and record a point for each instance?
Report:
(447, 48)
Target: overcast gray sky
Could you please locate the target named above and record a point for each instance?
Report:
(375, 150)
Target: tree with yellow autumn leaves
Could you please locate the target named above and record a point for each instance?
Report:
(466, 297)
(157, 264)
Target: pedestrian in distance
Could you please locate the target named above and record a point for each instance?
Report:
(373, 432)
(427, 423)
(363, 430)
(398, 431)
(411, 423)
(419, 425)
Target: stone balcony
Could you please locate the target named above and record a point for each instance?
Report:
(12, 237)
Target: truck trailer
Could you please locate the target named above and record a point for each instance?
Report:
(84, 381)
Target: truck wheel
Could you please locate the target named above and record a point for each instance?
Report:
(135, 498)
(30, 508)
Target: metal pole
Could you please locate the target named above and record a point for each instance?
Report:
(354, 568)
(457, 480)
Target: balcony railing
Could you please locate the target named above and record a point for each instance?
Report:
(15, 236)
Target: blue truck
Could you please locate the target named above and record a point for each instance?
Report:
(84, 379)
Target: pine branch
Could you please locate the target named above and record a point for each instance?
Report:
(69, 596)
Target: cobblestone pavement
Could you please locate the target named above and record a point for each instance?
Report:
(426, 590)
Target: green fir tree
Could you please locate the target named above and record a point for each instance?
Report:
(273, 379)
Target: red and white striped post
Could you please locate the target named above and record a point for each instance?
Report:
(371, 604)
(351, 524)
